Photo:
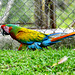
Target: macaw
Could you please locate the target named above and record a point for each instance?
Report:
(33, 39)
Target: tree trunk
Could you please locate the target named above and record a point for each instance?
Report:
(44, 14)
(52, 15)
(47, 11)
(41, 13)
(4, 17)
(38, 13)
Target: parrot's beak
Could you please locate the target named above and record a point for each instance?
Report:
(3, 32)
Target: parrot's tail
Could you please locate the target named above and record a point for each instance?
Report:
(63, 37)
(56, 39)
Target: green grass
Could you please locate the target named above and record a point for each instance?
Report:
(36, 62)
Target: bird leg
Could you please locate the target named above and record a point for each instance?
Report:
(34, 46)
(20, 47)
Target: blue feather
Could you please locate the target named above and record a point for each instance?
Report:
(54, 34)
(46, 42)
(47, 36)
(35, 45)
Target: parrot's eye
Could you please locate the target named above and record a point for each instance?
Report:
(5, 27)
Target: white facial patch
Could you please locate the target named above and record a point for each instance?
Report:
(6, 28)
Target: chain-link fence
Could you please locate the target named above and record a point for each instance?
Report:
(47, 15)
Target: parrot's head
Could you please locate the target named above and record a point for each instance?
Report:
(5, 29)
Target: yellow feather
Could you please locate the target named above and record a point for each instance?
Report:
(29, 35)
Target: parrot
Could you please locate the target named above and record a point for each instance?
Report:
(33, 39)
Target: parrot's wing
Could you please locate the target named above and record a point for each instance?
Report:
(29, 36)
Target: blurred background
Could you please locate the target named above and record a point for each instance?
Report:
(47, 16)
(38, 14)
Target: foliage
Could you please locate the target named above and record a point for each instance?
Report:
(65, 17)
(20, 11)
(23, 11)
(36, 62)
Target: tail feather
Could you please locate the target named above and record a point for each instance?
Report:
(54, 34)
(63, 37)
(56, 39)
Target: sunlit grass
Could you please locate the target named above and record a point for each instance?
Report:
(36, 62)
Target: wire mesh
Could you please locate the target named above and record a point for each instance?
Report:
(46, 16)
(38, 13)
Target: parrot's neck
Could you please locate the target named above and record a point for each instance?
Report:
(14, 32)
(13, 36)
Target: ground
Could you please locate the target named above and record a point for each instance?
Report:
(38, 62)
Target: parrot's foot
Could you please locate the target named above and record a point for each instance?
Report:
(20, 48)
(35, 46)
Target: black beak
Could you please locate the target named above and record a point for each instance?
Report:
(4, 32)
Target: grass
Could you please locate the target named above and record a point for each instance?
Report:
(37, 62)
